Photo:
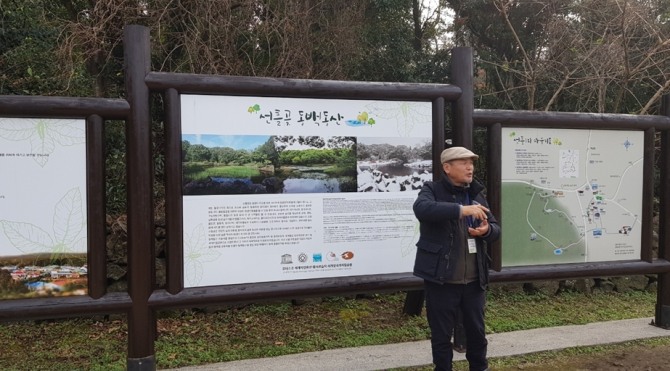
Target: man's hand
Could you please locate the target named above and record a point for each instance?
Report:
(481, 230)
(476, 211)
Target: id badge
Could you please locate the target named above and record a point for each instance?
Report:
(472, 246)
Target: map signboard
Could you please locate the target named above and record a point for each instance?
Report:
(281, 189)
(571, 195)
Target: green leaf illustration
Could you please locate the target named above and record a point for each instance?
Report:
(196, 252)
(26, 237)
(15, 130)
(43, 135)
(69, 219)
(405, 115)
(69, 223)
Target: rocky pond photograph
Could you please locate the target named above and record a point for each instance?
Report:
(393, 164)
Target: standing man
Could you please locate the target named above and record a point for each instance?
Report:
(452, 257)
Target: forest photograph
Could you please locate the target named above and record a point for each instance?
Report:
(256, 164)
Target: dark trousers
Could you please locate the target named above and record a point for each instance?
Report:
(442, 305)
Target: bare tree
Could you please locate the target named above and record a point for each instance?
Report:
(590, 55)
(291, 38)
(619, 63)
(92, 34)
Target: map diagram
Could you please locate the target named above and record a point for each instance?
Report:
(571, 196)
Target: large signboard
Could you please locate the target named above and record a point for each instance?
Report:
(571, 196)
(285, 188)
(42, 207)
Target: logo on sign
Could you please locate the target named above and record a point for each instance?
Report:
(286, 259)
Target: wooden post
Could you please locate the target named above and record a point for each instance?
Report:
(494, 187)
(662, 318)
(141, 262)
(173, 205)
(95, 190)
(462, 75)
(438, 136)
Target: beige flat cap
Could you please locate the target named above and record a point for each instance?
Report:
(455, 153)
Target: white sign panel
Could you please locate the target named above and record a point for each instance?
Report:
(282, 188)
(43, 205)
(571, 196)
